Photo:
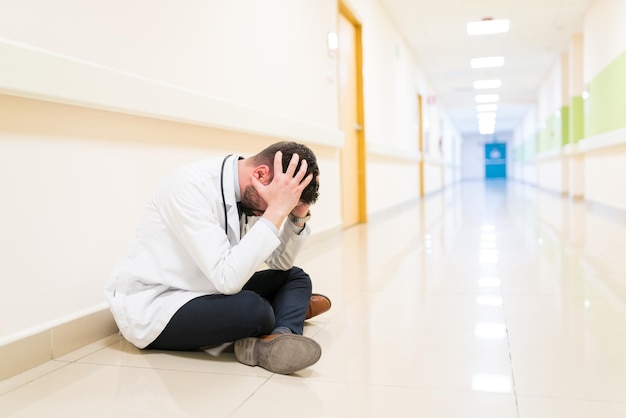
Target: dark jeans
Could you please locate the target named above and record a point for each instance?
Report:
(270, 299)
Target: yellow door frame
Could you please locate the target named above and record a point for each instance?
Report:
(361, 152)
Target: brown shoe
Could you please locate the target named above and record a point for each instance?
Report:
(278, 353)
(318, 305)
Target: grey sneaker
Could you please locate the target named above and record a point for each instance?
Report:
(278, 353)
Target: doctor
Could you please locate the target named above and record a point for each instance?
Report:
(190, 281)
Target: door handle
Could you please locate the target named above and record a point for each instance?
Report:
(358, 127)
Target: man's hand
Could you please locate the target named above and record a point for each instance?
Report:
(282, 195)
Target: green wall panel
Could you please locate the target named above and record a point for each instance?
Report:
(577, 119)
(565, 125)
(605, 108)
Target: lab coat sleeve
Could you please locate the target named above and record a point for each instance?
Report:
(291, 241)
(190, 211)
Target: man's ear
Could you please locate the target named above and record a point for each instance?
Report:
(262, 173)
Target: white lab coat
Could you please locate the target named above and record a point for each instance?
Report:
(181, 250)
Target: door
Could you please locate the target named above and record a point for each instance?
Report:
(350, 121)
(495, 161)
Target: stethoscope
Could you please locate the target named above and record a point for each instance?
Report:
(223, 197)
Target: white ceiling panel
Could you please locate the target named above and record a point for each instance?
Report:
(436, 31)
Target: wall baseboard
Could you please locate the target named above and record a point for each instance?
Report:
(25, 353)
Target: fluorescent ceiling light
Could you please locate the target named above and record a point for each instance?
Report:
(486, 115)
(486, 127)
(491, 107)
(488, 26)
(487, 98)
(487, 62)
(487, 84)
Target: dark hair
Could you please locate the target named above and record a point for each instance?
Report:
(311, 191)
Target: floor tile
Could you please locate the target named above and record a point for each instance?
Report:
(108, 391)
(28, 376)
(569, 408)
(572, 363)
(444, 355)
(125, 354)
(325, 399)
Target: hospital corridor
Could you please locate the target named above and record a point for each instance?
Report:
(493, 299)
(448, 175)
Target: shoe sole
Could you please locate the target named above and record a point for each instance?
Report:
(283, 355)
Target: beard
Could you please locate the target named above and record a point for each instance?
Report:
(251, 202)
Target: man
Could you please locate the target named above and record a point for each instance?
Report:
(190, 279)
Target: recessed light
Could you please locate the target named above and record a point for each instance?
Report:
(487, 62)
(486, 126)
(490, 107)
(486, 98)
(486, 115)
(488, 26)
(487, 123)
(487, 84)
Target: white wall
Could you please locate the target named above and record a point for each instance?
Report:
(549, 95)
(592, 168)
(551, 174)
(271, 54)
(604, 155)
(75, 180)
(604, 174)
(392, 81)
(604, 35)
(473, 158)
(524, 142)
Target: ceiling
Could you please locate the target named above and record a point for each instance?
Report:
(436, 30)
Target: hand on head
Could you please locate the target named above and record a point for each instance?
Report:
(283, 193)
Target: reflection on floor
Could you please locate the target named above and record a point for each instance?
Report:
(488, 300)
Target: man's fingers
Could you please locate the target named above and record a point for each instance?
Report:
(293, 163)
(278, 163)
(306, 181)
(302, 172)
(290, 173)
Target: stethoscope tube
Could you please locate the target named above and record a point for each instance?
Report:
(223, 197)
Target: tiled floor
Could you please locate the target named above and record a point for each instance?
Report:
(491, 300)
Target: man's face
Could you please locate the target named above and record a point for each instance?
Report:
(251, 202)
